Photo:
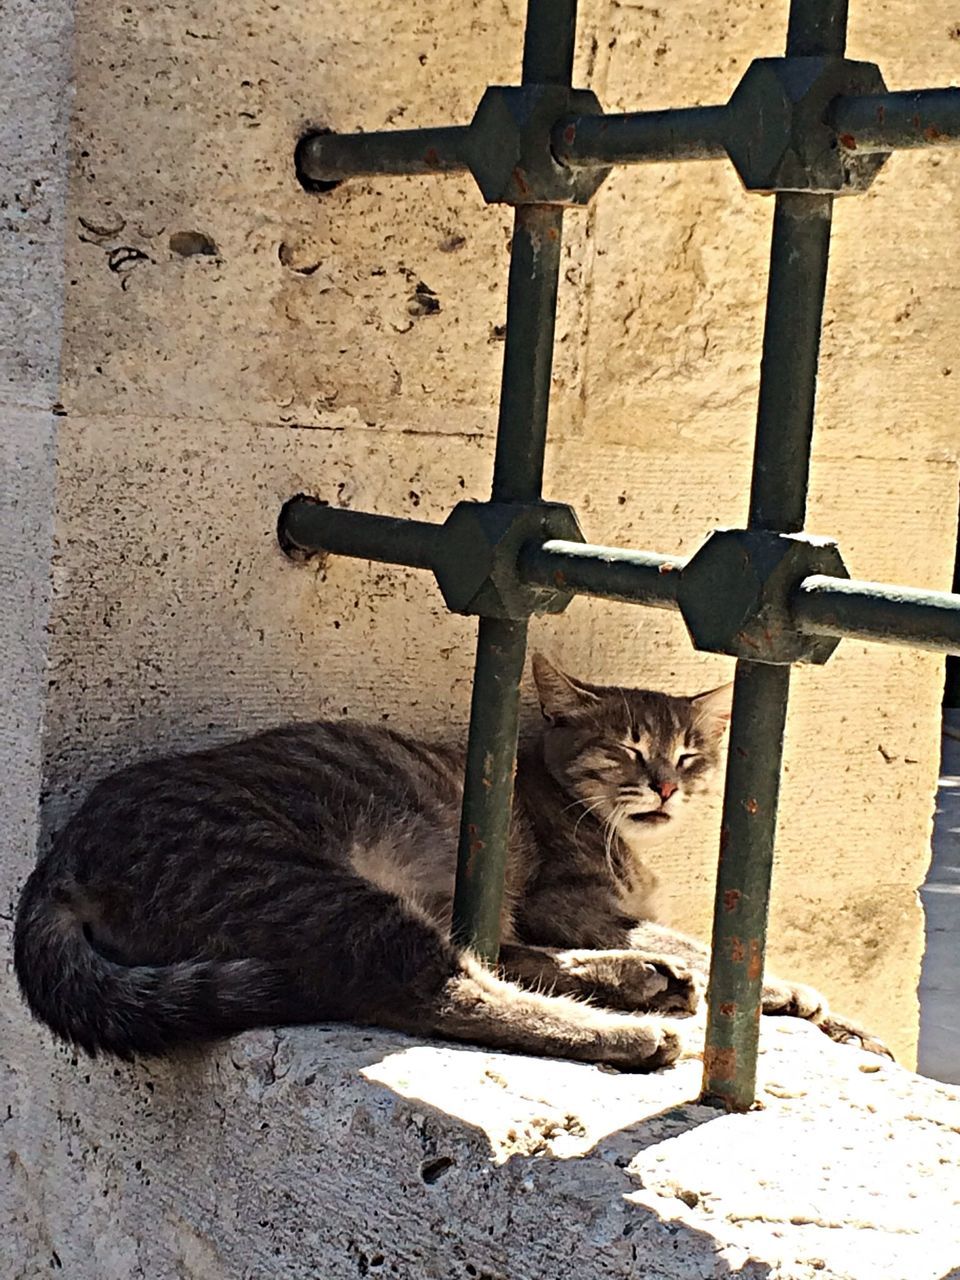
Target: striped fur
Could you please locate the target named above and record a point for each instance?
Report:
(306, 875)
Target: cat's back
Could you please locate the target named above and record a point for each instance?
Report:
(310, 785)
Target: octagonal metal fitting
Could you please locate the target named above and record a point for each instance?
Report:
(508, 145)
(780, 137)
(735, 594)
(476, 565)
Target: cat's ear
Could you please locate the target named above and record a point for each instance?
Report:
(560, 695)
(713, 708)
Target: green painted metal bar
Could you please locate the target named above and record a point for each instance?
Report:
(549, 39)
(844, 607)
(878, 611)
(332, 157)
(528, 358)
(747, 831)
(488, 785)
(788, 370)
(891, 121)
(517, 477)
(788, 378)
(817, 27)
(611, 573)
(309, 528)
(685, 133)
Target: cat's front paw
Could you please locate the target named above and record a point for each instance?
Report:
(845, 1032)
(793, 1000)
(642, 984)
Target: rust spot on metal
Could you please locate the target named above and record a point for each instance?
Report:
(431, 158)
(667, 568)
(569, 134)
(559, 578)
(475, 847)
(755, 964)
(751, 806)
(731, 899)
(848, 141)
(915, 122)
(520, 181)
(724, 838)
(728, 1009)
(737, 952)
(721, 1064)
(932, 133)
(552, 233)
(881, 113)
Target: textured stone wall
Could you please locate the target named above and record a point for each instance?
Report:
(158, 405)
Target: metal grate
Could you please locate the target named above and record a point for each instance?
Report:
(810, 126)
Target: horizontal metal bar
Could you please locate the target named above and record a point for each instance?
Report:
(308, 528)
(846, 607)
(893, 121)
(640, 137)
(632, 577)
(859, 610)
(877, 123)
(332, 157)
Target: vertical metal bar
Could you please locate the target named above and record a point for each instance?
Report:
(491, 759)
(778, 499)
(517, 477)
(528, 358)
(747, 834)
(548, 41)
(788, 372)
(817, 27)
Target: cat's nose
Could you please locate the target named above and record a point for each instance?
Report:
(665, 789)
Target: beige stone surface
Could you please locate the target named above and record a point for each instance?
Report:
(157, 409)
(343, 1153)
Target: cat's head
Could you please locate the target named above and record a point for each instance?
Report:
(632, 758)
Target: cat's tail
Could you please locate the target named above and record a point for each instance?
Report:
(389, 965)
(101, 1006)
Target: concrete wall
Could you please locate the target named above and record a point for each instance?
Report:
(157, 409)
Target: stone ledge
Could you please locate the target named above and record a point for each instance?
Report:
(341, 1152)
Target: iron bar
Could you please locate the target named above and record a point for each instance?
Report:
(870, 124)
(309, 528)
(488, 785)
(788, 369)
(549, 40)
(891, 121)
(799, 253)
(641, 137)
(528, 358)
(611, 573)
(747, 834)
(879, 612)
(848, 608)
(332, 157)
(817, 27)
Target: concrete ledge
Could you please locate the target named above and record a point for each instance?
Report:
(342, 1152)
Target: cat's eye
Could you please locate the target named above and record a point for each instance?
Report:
(687, 759)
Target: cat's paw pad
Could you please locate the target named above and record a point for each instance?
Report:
(794, 1000)
(681, 989)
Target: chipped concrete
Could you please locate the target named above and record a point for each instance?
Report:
(188, 338)
(344, 1152)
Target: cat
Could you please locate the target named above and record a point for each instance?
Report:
(306, 875)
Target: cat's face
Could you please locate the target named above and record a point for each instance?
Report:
(632, 758)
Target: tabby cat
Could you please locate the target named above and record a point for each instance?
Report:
(306, 875)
